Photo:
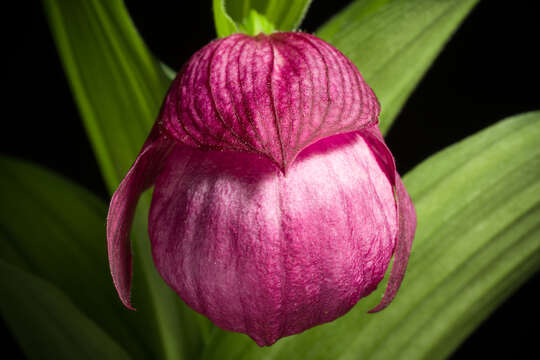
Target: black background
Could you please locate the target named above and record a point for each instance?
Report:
(489, 70)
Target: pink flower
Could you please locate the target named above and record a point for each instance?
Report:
(277, 205)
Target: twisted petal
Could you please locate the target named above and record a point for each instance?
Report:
(407, 227)
(270, 95)
(406, 218)
(272, 255)
(122, 208)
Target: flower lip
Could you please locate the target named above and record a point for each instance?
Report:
(271, 95)
(268, 255)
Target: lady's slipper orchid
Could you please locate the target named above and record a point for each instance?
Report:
(277, 205)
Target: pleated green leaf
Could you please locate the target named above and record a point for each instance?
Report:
(230, 15)
(224, 24)
(54, 230)
(117, 84)
(477, 241)
(393, 43)
(47, 324)
(285, 15)
(119, 87)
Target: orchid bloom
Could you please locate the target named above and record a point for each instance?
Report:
(277, 205)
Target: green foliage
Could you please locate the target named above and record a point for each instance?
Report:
(232, 16)
(56, 231)
(119, 86)
(225, 25)
(255, 24)
(117, 83)
(393, 43)
(53, 231)
(287, 15)
(47, 324)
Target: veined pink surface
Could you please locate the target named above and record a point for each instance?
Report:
(270, 95)
(277, 205)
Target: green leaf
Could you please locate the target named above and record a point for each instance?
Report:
(55, 230)
(477, 241)
(256, 23)
(47, 324)
(119, 87)
(117, 84)
(393, 43)
(232, 16)
(286, 15)
(225, 25)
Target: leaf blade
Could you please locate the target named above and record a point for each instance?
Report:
(393, 43)
(117, 84)
(287, 15)
(224, 24)
(119, 87)
(230, 15)
(55, 230)
(50, 334)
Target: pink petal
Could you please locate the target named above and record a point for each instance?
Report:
(407, 227)
(122, 208)
(267, 254)
(270, 95)
(406, 219)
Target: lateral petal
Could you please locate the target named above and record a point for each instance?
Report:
(407, 227)
(406, 219)
(142, 175)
